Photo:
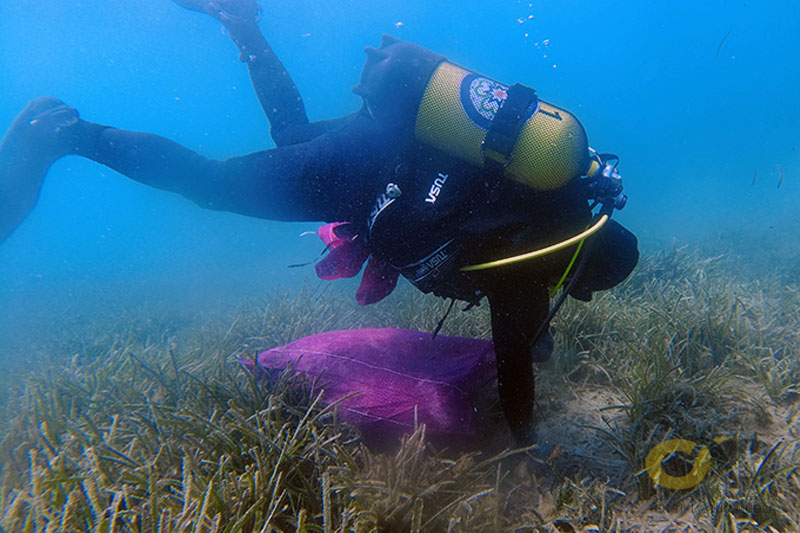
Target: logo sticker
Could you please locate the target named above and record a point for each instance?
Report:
(382, 202)
(481, 98)
(436, 188)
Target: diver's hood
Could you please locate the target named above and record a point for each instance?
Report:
(394, 80)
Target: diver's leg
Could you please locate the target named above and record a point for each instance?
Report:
(276, 91)
(39, 135)
(274, 87)
(329, 178)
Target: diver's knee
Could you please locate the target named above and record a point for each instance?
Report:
(614, 255)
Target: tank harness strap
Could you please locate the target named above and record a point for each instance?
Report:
(520, 104)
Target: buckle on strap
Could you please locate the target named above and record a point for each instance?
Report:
(520, 105)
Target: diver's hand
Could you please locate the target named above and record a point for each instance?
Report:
(225, 11)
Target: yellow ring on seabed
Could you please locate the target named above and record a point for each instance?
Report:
(538, 253)
(665, 449)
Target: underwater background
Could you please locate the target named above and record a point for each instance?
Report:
(698, 98)
(123, 308)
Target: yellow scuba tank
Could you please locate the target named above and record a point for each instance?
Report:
(472, 117)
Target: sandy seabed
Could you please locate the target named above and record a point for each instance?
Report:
(139, 419)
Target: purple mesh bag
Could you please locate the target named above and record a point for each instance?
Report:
(395, 371)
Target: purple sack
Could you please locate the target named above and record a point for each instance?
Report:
(394, 371)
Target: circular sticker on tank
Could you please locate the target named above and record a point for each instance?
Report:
(481, 98)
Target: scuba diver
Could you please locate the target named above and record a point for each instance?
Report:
(467, 187)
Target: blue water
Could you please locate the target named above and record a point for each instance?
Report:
(692, 120)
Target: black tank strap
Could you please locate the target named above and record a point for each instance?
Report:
(519, 106)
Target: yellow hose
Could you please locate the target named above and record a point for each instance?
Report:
(538, 253)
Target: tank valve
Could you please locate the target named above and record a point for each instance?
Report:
(604, 182)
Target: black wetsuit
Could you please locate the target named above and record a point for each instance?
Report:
(338, 171)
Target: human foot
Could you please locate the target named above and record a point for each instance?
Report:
(42, 126)
(225, 11)
(41, 133)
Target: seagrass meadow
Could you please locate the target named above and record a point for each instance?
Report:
(141, 420)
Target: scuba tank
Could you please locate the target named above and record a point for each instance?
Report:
(472, 117)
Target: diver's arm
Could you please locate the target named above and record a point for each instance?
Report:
(518, 308)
